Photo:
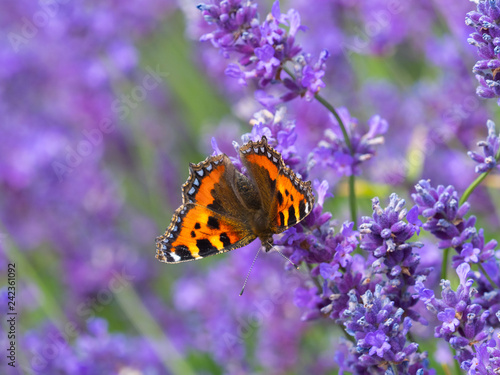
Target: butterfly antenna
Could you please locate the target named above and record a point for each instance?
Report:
(250, 270)
(270, 246)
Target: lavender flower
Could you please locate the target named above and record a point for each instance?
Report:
(64, 145)
(386, 233)
(380, 333)
(464, 322)
(486, 359)
(264, 48)
(387, 236)
(280, 135)
(488, 161)
(333, 153)
(446, 220)
(487, 40)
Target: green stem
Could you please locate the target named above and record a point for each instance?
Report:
(457, 371)
(476, 182)
(352, 178)
(471, 188)
(444, 265)
(352, 200)
(330, 108)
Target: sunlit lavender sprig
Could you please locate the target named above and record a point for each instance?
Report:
(464, 324)
(263, 48)
(333, 152)
(486, 38)
(491, 146)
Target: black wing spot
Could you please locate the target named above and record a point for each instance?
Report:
(213, 223)
(169, 257)
(193, 234)
(302, 209)
(282, 219)
(292, 220)
(280, 198)
(206, 248)
(197, 226)
(183, 252)
(287, 193)
(225, 239)
(291, 198)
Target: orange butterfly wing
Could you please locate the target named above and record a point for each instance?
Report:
(209, 220)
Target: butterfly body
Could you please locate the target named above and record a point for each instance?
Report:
(224, 209)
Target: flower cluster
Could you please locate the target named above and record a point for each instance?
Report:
(446, 220)
(487, 40)
(464, 323)
(380, 331)
(53, 167)
(491, 147)
(264, 48)
(368, 294)
(386, 235)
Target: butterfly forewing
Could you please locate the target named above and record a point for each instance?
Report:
(211, 184)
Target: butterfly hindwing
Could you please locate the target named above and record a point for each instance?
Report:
(197, 232)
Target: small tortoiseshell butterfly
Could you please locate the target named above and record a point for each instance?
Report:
(223, 209)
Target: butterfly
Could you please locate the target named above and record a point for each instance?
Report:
(223, 209)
